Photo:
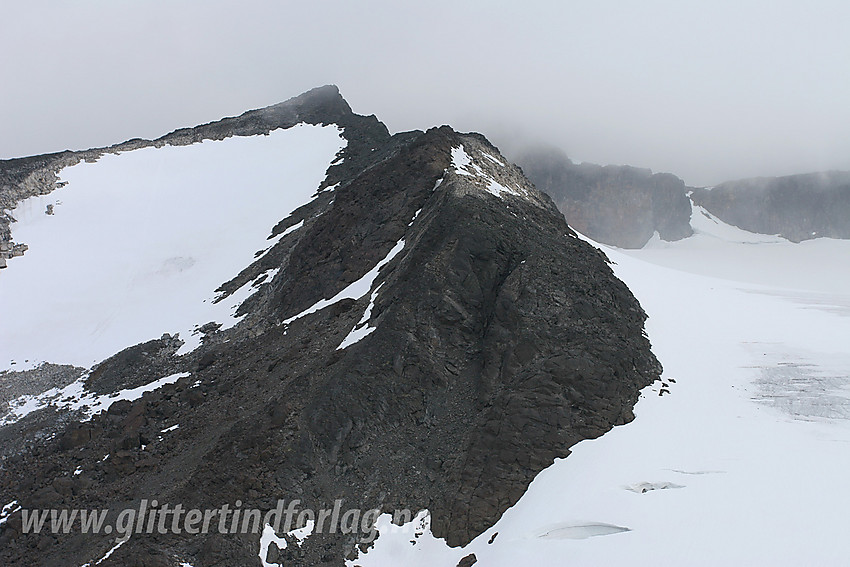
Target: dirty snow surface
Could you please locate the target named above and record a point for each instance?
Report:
(739, 456)
(140, 241)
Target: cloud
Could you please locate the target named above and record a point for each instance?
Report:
(709, 92)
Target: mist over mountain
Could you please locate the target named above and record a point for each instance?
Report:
(625, 206)
(618, 205)
(709, 93)
(798, 207)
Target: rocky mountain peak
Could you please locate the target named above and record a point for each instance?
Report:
(425, 332)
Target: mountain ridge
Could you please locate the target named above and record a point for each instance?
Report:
(798, 207)
(36, 175)
(625, 206)
(483, 341)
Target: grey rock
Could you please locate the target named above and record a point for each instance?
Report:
(618, 205)
(798, 207)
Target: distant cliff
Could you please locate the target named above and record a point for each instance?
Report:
(798, 207)
(618, 205)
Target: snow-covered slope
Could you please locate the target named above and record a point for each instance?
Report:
(724, 251)
(138, 242)
(738, 457)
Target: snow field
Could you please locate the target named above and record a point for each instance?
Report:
(140, 241)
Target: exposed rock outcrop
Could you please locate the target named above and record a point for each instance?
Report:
(798, 207)
(618, 205)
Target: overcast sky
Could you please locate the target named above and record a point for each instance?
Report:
(707, 90)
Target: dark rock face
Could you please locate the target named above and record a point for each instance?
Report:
(798, 207)
(500, 340)
(618, 205)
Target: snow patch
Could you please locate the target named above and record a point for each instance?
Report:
(355, 290)
(8, 510)
(492, 158)
(362, 328)
(292, 228)
(121, 542)
(266, 539)
(74, 397)
(269, 536)
(464, 164)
